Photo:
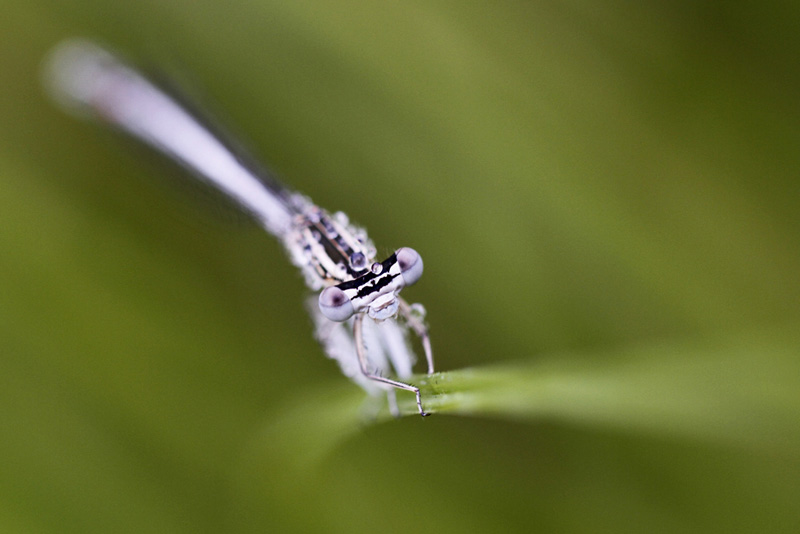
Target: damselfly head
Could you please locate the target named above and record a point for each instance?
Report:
(375, 291)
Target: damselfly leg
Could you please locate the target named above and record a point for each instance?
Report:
(367, 372)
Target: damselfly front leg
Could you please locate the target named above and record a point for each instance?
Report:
(364, 363)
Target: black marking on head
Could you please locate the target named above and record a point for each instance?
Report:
(371, 282)
(376, 285)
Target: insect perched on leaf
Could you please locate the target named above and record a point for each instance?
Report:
(359, 316)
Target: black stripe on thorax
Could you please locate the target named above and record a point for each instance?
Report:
(335, 247)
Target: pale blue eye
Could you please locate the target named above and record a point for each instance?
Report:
(410, 264)
(335, 305)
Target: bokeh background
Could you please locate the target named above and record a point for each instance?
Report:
(587, 183)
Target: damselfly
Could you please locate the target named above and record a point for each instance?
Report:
(359, 317)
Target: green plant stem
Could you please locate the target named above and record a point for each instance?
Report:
(741, 391)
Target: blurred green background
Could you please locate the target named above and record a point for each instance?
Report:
(606, 199)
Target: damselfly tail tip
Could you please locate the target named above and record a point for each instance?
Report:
(72, 71)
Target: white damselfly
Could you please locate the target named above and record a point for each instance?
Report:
(359, 317)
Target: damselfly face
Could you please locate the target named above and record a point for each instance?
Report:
(375, 292)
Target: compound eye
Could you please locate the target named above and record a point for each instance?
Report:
(410, 264)
(335, 305)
